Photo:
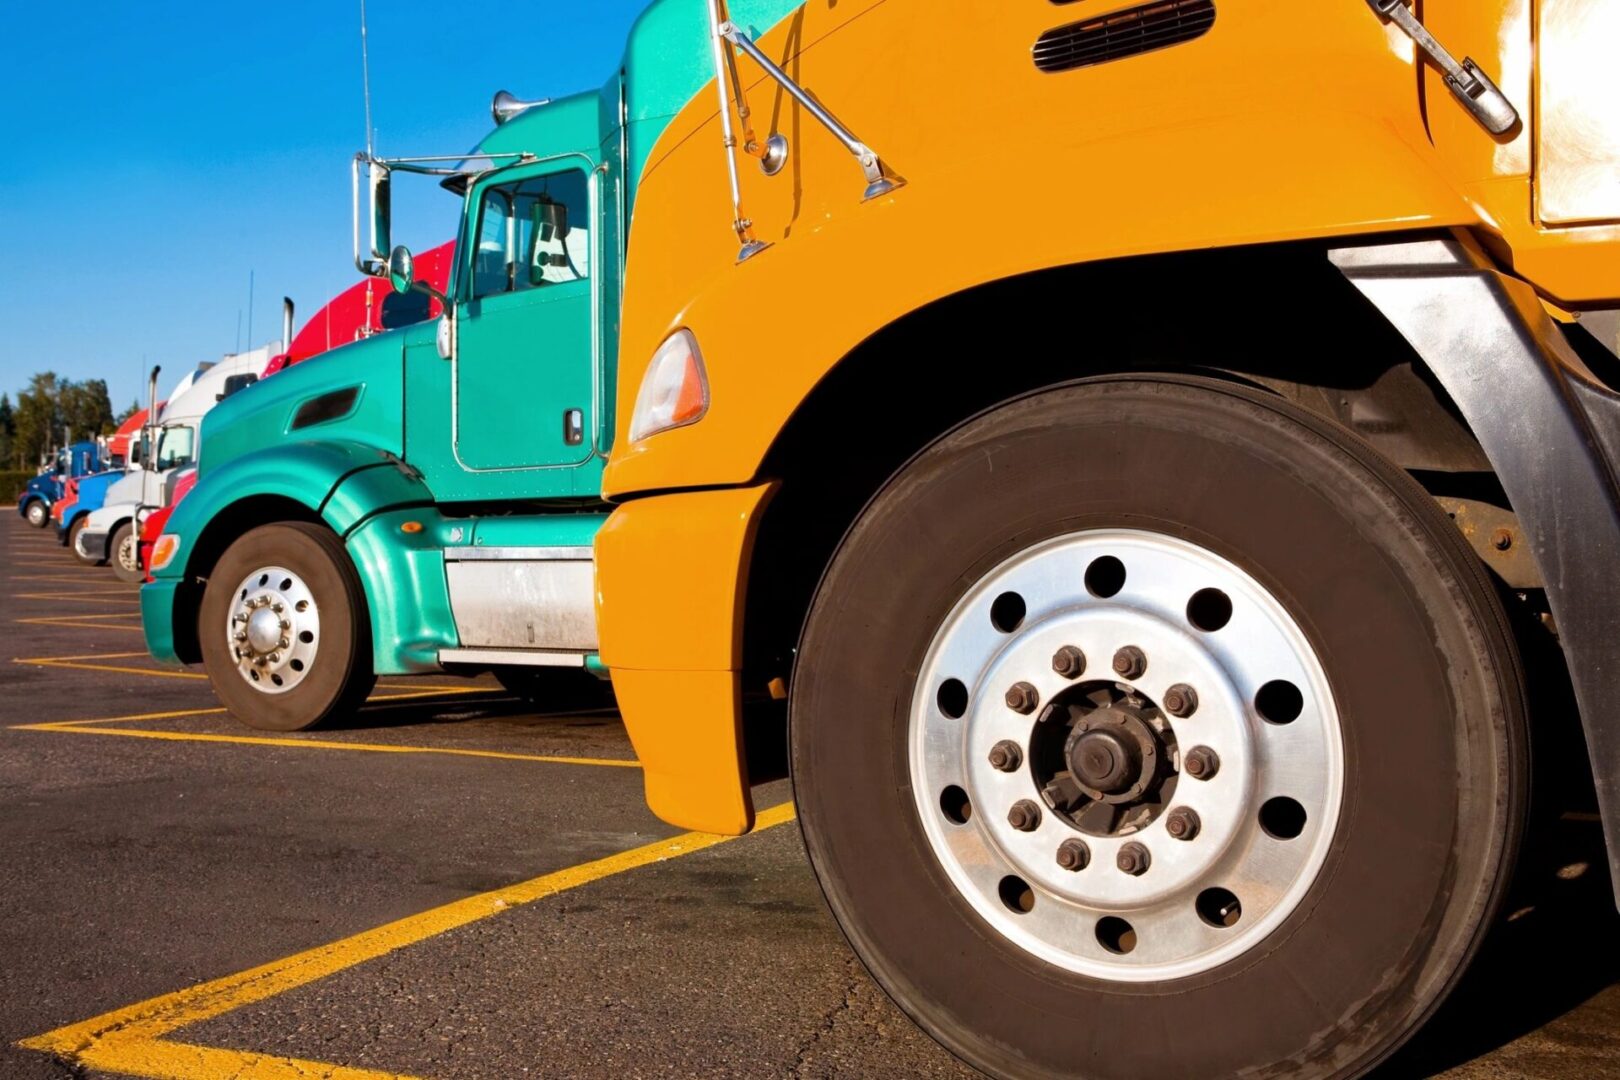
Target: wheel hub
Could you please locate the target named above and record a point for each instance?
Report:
(1104, 763)
(273, 630)
(1173, 810)
(263, 631)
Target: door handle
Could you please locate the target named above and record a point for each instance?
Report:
(573, 426)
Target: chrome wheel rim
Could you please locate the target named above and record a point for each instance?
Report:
(129, 557)
(1063, 804)
(36, 513)
(273, 629)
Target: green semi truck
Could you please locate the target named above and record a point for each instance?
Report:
(426, 499)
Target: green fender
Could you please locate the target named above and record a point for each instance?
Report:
(365, 495)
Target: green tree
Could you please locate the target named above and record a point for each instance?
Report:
(134, 407)
(8, 431)
(85, 409)
(38, 420)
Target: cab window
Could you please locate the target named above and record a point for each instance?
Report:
(175, 447)
(533, 234)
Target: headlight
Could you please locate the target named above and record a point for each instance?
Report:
(674, 391)
(163, 551)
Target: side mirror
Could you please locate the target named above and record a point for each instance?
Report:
(370, 258)
(381, 203)
(401, 269)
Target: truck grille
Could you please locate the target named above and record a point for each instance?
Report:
(1123, 33)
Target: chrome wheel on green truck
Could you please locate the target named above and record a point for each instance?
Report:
(1132, 711)
(284, 628)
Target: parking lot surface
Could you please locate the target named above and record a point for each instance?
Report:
(452, 885)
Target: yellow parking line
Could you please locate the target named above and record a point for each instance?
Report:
(131, 1040)
(319, 744)
(83, 598)
(65, 622)
(157, 673)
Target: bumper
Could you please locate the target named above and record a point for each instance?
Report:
(157, 619)
(91, 544)
(671, 575)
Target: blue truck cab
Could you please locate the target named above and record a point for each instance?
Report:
(41, 493)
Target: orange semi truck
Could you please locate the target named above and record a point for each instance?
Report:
(1158, 472)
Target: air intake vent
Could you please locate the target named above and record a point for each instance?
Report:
(1123, 33)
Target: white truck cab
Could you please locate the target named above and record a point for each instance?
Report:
(112, 533)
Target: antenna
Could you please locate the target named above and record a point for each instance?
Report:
(250, 310)
(365, 78)
(238, 330)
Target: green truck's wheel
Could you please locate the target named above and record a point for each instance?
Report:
(284, 628)
(38, 514)
(1153, 729)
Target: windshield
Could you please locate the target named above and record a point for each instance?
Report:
(176, 447)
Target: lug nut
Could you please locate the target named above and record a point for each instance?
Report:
(278, 607)
(1073, 855)
(285, 642)
(1201, 763)
(1182, 823)
(240, 635)
(1133, 859)
(1006, 756)
(1181, 700)
(1130, 662)
(275, 658)
(1022, 697)
(1024, 816)
(1069, 662)
(286, 625)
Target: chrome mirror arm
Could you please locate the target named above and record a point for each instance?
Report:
(740, 223)
(879, 180)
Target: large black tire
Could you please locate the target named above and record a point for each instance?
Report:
(339, 674)
(124, 553)
(37, 513)
(1415, 648)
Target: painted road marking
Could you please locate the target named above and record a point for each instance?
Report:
(78, 662)
(133, 1040)
(83, 598)
(77, 622)
(94, 727)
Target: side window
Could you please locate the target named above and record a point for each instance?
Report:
(533, 233)
(175, 447)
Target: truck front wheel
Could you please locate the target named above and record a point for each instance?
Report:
(284, 629)
(1158, 728)
(125, 552)
(38, 513)
(73, 542)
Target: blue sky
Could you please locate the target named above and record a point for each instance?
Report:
(154, 154)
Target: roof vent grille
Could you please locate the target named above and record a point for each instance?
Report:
(1119, 34)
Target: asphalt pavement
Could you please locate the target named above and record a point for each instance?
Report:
(450, 884)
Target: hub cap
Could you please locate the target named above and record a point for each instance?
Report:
(1204, 830)
(129, 553)
(273, 630)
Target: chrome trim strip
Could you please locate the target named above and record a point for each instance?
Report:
(519, 554)
(512, 657)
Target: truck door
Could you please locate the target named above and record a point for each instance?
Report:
(524, 380)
